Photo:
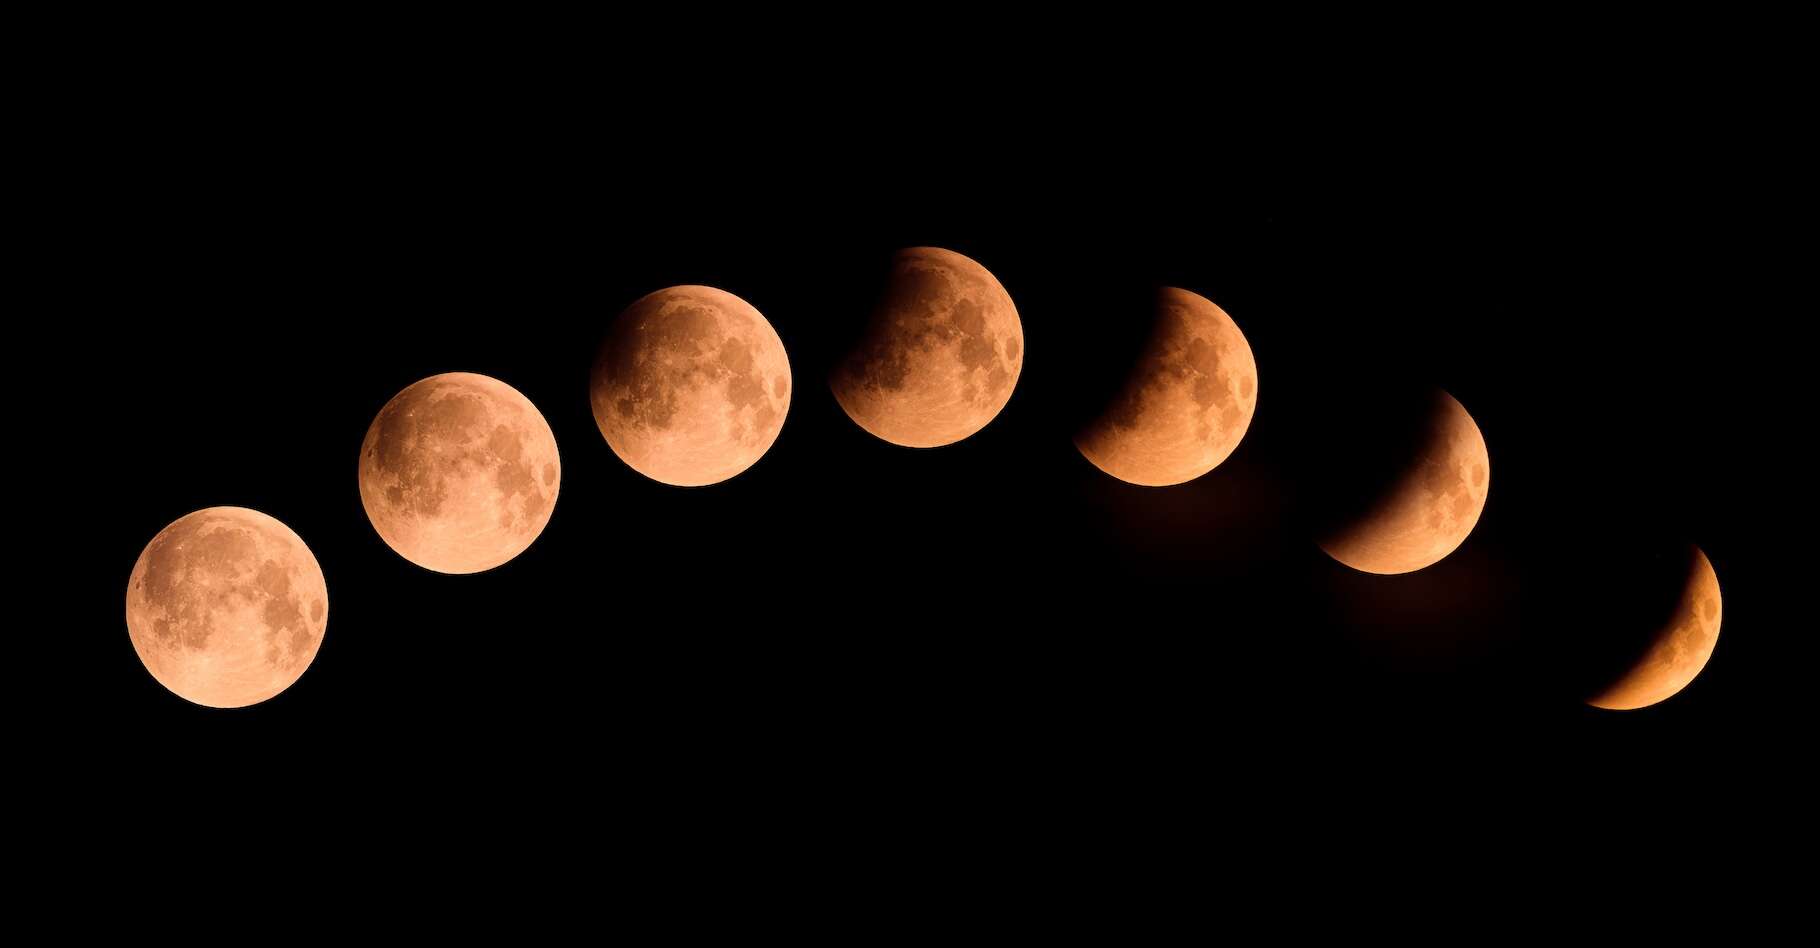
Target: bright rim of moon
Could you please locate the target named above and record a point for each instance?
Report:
(691, 386)
(941, 353)
(1431, 509)
(226, 607)
(1680, 650)
(459, 473)
(1185, 405)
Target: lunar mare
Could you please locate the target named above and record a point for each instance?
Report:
(1430, 508)
(459, 473)
(690, 386)
(940, 355)
(226, 607)
(1185, 405)
(1679, 651)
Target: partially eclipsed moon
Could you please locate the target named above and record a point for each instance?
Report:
(1679, 650)
(1426, 511)
(1186, 403)
(691, 386)
(226, 607)
(459, 473)
(940, 356)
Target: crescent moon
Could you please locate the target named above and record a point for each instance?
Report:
(1430, 506)
(1678, 650)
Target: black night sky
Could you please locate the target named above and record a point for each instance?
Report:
(851, 620)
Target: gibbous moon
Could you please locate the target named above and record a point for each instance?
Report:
(940, 355)
(459, 473)
(690, 386)
(1427, 509)
(1185, 405)
(226, 607)
(1678, 651)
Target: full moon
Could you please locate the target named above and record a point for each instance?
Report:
(690, 386)
(1678, 651)
(459, 473)
(226, 607)
(1427, 509)
(1185, 405)
(940, 355)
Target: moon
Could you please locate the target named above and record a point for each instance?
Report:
(1426, 509)
(1185, 405)
(459, 473)
(691, 386)
(226, 607)
(940, 355)
(1678, 650)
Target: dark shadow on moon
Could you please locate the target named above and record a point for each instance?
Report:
(864, 287)
(1361, 446)
(1101, 353)
(1626, 597)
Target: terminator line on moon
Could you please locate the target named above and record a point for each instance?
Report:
(691, 386)
(940, 356)
(459, 473)
(226, 607)
(1185, 405)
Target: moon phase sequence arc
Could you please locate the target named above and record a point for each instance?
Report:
(692, 386)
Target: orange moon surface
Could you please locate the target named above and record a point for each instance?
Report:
(691, 386)
(1680, 649)
(1428, 510)
(226, 607)
(1185, 405)
(940, 354)
(459, 473)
